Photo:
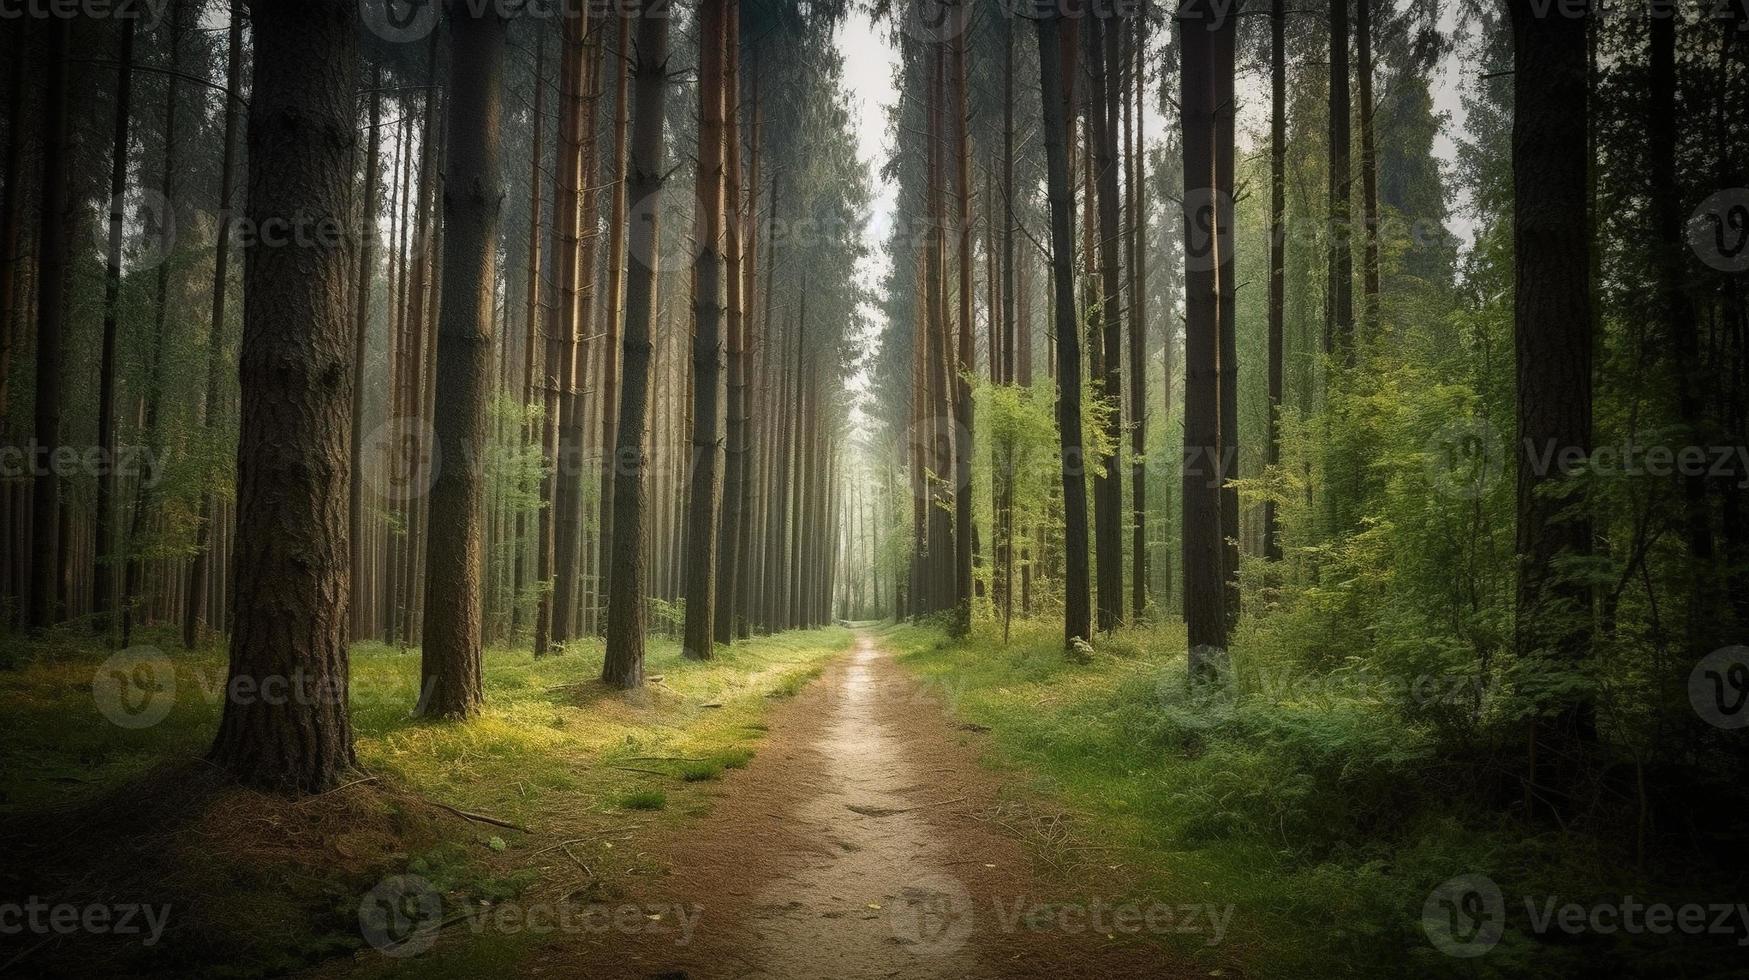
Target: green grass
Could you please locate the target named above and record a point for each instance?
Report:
(554, 751)
(1320, 815)
(644, 799)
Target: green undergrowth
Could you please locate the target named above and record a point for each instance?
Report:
(1316, 811)
(278, 884)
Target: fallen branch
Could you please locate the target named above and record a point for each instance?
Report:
(481, 817)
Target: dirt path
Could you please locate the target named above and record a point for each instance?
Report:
(859, 844)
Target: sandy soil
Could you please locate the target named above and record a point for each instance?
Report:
(865, 841)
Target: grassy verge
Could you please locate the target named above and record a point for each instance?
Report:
(256, 879)
(1321, 817)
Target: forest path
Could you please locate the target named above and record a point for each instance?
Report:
(862, 842)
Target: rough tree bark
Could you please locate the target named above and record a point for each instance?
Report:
(705, 499)
(1553, 330)
(473, 205)
(293, 460)
(623, 664)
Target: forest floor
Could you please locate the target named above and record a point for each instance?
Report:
(868, 841)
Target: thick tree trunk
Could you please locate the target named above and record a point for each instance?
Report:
(705, 499)
(1204, 242)
(1077, 613)
(623, 665)
(473, 204)
(1552, 324)
(293, 460)
(195, 608)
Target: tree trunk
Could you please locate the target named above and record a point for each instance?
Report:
(962, 401)
(473, 205)
(51, 290)
(1226, 288)
(1077, 614)
(1552, 324)
(103, 579)
(1277, 254)
(623, 665)
(1339, 310)
(361, 351)
(1134, 116)
(12, 216)
(1102, 60)
(1204, 241)
(559, 324)
(154, 393)
(195, 609)
(613, 309)
(705, 499)
(1369, 170)
(293, 456)
(735, 458)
